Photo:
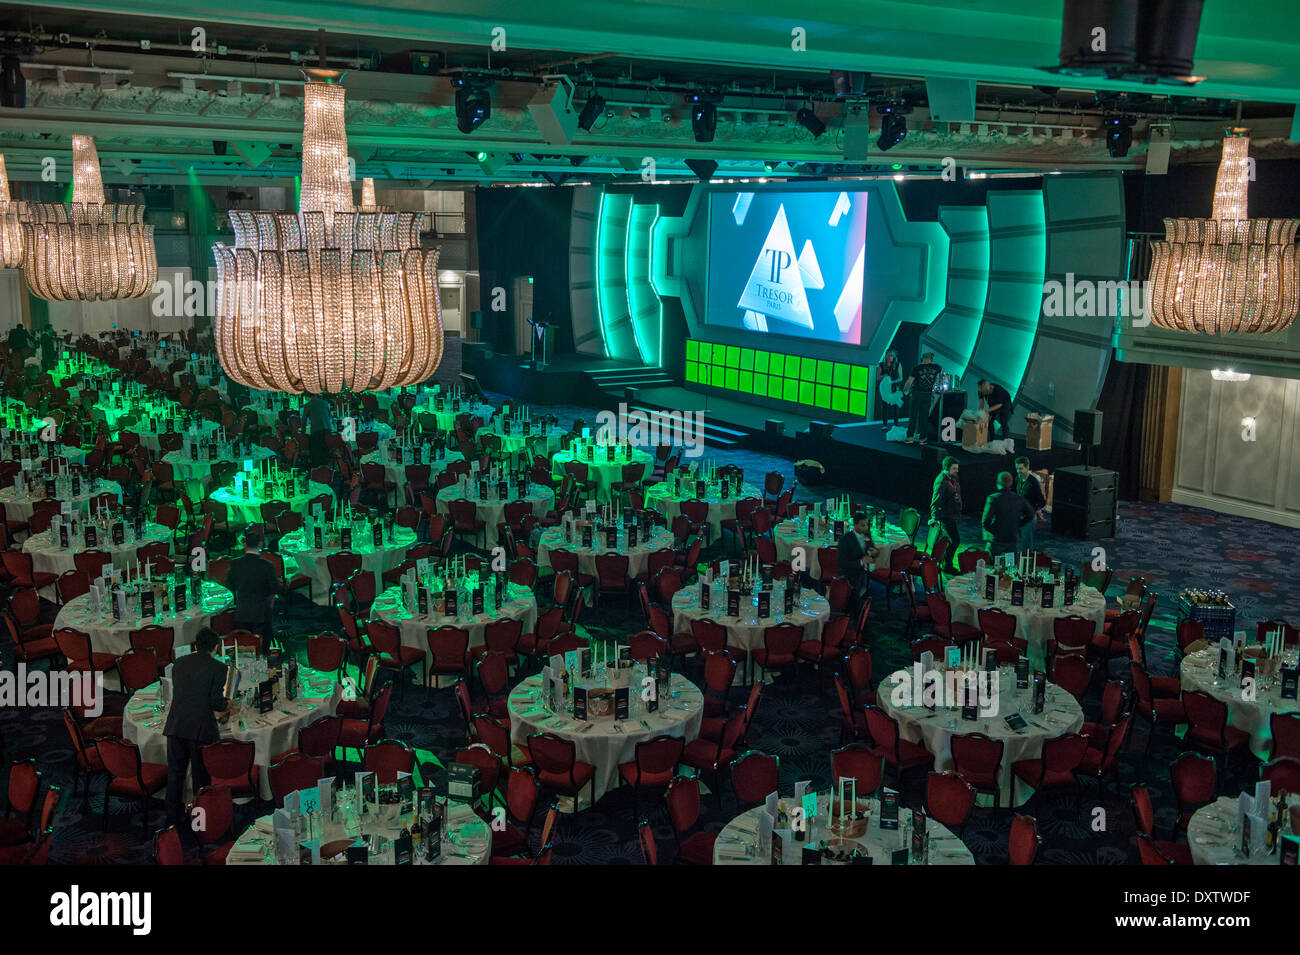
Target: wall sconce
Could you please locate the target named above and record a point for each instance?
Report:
(1220, 374)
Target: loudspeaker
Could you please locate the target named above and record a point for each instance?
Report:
(1085, 502)
(820, 429)
(1087, 427)
(775, 426)
(552, 111)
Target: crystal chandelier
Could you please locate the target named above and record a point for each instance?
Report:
(11, 230)
(87, 250)
(1227, 273)
(330, 298)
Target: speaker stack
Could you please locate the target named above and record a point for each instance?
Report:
(1085, 500)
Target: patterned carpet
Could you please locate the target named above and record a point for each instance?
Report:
(1172, 546)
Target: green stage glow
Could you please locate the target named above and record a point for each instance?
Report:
(643, 303)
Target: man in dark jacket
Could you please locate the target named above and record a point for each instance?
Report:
(1005, 512)
(254, 582)
(1031, 489)
(198, 701)
(945, 510)
(856, 550)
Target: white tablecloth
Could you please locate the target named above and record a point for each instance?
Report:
(1214, 837)
(397, 472)
(467, 840)
(1200, 671)
(492, 511)
(606, 742)
(197, 475)
(1034, 623)
(314, 563)
(637, 557)
(792, 534)
(1061, 714)
(200, 430)
(272, 733)
(447, 418)
(602, 472)
(20, 507)
(242, 511)
(520, 605)
(737, 843)
(660, 497)
(49, 557)
(811, 611)
(109, 636)
(516, 440)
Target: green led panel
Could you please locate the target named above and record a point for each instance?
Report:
(812, 383)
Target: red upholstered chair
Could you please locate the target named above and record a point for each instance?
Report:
(217, 805)
(694, 846)
(24, 791)
(949, 798)
(549, 624)
(942, 624)
(501, 636)
(935, 645)
(87, 762)
(858, 763)
(858, 665)
(167, 848)
(71, 585)
(389, 757)
(1101, 756)
(386, 639)
(997, 625)
(1055, 766)
(1208, 728)
(967, 560)
(494, 677)
(1157, 711)
(829, 648)
(294, 771)
(899, 754)
(19, 566)
(647, 645)
(32, 643)
(1073, 634)
(828, 562)
(161, 640)
(900, 559)
(1023, 845)
(753, 776)
(138, 668)
(612, 578)
(132, 778)
(326, 652)
(780, 646)
(232, 763)
(711, 636)
(1195, 783)
(977, 758)
(719, 674)
(1145, 819)
(359, 733)
(711, 757)
(1072, 673)
(465, 519)
(1285, 730)
(645, 834)
(558, 767)
(81, 656)
(319, 738)
(652, 768)
(838, 593)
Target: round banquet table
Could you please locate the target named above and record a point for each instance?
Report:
(520, 605)
(467, 840)
(516, 440)
(396, 472)
(20, 507)
(272, 733)
(604, 473)
(48, 557)
(936, 728)
(244, 511)
(607, 742)
(1200, 671)
(737, 843)
(201, 430)
(110, 636)
(447, 418)
(811, 611)
(492, 510)
(660, 497)
(314, 563)
(1214, 837)
(637, 557)
(1033, 623)
(792, 534)
(197, 475)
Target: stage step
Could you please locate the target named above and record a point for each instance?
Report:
(615, 380)
(716, 436)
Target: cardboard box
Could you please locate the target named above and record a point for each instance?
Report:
(1038, 432)
(975, 434)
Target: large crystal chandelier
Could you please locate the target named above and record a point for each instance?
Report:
(89, 249)
(330, 298)
(11, 230)
(1227, 273)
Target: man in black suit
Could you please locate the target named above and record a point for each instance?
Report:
(856, 551)
(198, 701)
(254, 582)
(1005, 512)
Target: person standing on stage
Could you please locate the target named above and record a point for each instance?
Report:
(891, 398)
(996, 400)
(856, 551)
(198, 701)
(945, 510)
(920, 391)
(1031, 489)
(1005, 513)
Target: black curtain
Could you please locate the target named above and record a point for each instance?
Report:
(1123, 397)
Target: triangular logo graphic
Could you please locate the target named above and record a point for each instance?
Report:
(842, 206)
(809, 268)
(775, 287)
(850, 303)
(740, 208)
(755, 321)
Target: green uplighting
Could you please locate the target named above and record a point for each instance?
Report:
(897, 166)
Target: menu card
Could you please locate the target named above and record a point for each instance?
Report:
(990, 587)
(888, 809)
(476, 602)
(622, 703)
(1048, 595)
(970, 704)
(764, 605)
(1071, 589)
(790, 592)
(1287, 689)
(266, 696)
(1017, 593)
(733, 603)
(920, 838)
(1040, 692)
(580, 703)
(1022, 673)
(146, 604)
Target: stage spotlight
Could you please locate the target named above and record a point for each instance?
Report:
(809, 121)
(704, 118)
(703, 168)
(1119, 136)
(893, 128)
(13, 85)
(771, 164)
(473, 107)
(555, 178)
(591, 111)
